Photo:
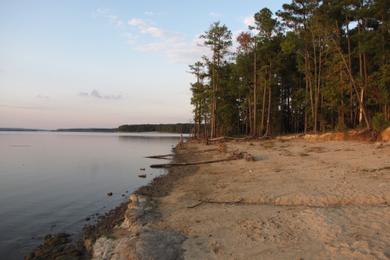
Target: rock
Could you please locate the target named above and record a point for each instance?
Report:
(146, 242)
(249, 157)
(237, 155)
(386, 252)
(150, 244)
(385, 135)
(159, 244)
(58, 246)
(222, 148)
(109, 194)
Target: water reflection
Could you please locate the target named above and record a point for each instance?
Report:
(50, 182)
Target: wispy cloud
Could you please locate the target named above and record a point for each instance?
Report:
(172, 44)
(149, 13)
(215, 14)
(113, 19)
(145, 27)
(42, 97)
(145, 36)
(96, 94)
(130, 37)
(249, 21)
(28, 107)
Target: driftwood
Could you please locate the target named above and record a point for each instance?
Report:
(202, 151)
(163, 156)
(195, 205)
(223, 138)
(200, 202)
(207, 150)
(168, 165)
(223, 202)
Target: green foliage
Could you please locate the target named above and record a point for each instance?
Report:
(167, 128)
(289, 43)
(317, 66)
(219, 39)
(379, 122)
(265, 24)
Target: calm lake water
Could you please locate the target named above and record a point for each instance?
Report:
(51, 182)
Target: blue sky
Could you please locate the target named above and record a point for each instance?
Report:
(105, 63)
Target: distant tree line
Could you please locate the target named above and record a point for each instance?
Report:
(315, 65)
(166, 128)
(99, 130)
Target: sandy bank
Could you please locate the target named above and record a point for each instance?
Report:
(298, 199)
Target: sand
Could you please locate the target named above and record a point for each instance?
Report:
(299, 199)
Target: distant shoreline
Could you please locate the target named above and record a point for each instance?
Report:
(181, 128)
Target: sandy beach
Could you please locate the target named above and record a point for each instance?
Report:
(297, 199)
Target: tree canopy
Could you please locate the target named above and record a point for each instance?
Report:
(315, 65)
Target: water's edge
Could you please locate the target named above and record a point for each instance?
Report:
(82, 245)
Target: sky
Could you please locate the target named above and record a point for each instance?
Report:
(104, 63)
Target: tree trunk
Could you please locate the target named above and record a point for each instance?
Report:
(306, 95)
(213, 105)
(318, 85)
(350, 84)
(263, 107)
(359, 98)
(310, 83)
(316, 97)
(267, 131)
(254, 133)
(250, 115)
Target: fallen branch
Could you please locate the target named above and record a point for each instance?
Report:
(195, 205)
(168, 165)
(203, 151)
(222, 138)
(242, 202)
(223, 202)
(214, 202)
(163, 156)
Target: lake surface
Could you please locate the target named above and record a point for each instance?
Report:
(51, 182)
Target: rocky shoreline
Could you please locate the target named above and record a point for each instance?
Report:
(137, 237)
(57, 246)
(135, 217)
(297, 197)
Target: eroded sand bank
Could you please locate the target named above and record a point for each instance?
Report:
(298, 199)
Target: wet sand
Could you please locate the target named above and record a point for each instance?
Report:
(298, 199)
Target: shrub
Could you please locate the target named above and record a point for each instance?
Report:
(379, 122)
